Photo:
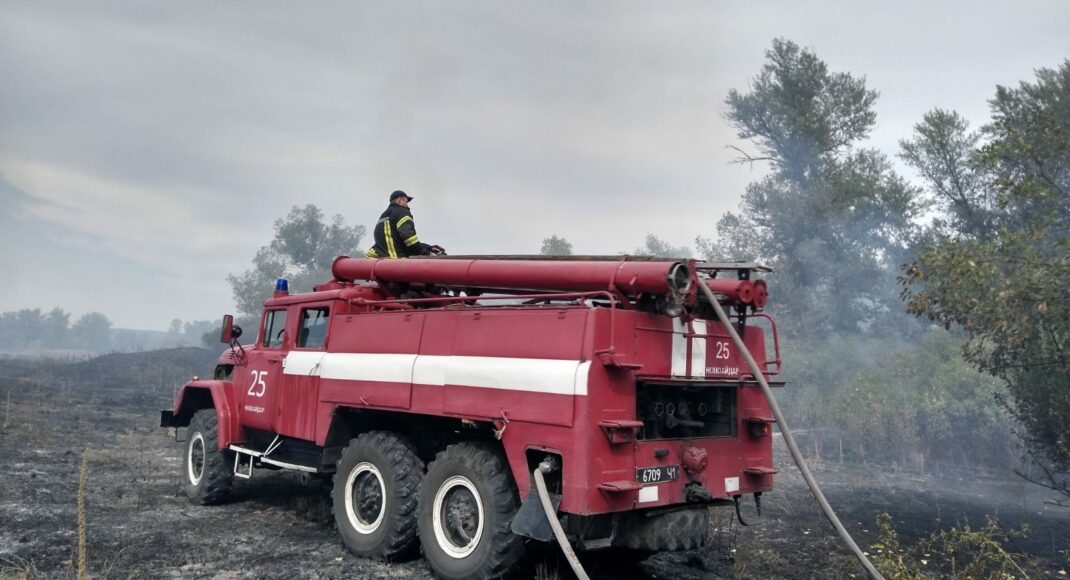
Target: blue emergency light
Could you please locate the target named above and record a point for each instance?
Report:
(281, 285)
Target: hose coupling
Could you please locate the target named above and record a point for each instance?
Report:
(550, 464)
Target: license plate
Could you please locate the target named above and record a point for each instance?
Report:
(657, 474)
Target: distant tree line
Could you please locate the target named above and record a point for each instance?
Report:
(652, 246)
(193, 333)
(34, 330)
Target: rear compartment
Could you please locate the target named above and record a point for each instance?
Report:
(688, 411)
(696, 444)
(684, 430)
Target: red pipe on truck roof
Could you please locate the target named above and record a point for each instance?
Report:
(737, 291)
(545, 275)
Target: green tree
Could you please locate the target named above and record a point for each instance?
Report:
(944, 151)
(27, 328)
(556, 246)
(92, 331)
(738, 240)
(174, 333)
(834, 220)
(302, 250)
(798, 113)
(56, 328)
(1008, 287)
(201, 332)
(210, 338)
(20, 329)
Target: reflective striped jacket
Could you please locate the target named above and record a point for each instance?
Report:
(395, 235)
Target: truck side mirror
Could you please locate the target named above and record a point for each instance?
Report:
(227, 333)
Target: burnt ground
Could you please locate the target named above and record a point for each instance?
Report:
(139, 524)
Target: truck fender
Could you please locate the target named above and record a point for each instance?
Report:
(206, 394)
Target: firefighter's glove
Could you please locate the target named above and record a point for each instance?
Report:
(438, 250)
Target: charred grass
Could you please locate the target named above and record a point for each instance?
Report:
(137, 523)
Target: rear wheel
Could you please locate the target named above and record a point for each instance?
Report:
(467, 502)
(376, 489)
(205, 467)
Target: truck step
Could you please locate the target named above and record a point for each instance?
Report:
(244, 459)
(619, 486)
(240, 469)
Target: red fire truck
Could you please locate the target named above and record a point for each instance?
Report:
(430, 390)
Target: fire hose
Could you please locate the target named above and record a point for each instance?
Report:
(788, 437)
(548, 466)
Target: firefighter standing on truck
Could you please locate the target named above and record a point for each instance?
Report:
(395, 232)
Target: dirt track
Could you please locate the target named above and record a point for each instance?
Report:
(140, 525)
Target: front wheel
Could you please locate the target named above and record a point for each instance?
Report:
(205, 467)
(467, 502)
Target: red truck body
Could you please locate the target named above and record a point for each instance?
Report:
(640, 408)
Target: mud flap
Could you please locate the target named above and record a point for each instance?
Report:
(167, 418)
(530, 521)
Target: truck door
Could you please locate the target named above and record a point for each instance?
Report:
(299, 390)
(258, 383)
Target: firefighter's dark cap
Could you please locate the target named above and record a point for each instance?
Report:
(397, 194)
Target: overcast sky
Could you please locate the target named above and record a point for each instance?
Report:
(145, 151)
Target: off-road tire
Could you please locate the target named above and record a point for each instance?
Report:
(668, 532)
(203, 455)
(493, 551)
(385, 466)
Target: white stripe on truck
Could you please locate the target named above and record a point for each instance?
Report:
(560, 377)
(698, 349)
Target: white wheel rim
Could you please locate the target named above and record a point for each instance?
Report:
(440, 517)
(359, 523)
(195, 475)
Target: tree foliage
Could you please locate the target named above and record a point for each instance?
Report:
(556, 246)
(944, 151)
(890, 401)
(833, 219)
(93, 331)
(798, 113)
(1001, 271)
(302, 250)
(655, 246)
(32, 329)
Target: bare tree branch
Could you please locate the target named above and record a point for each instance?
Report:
(748, 158)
